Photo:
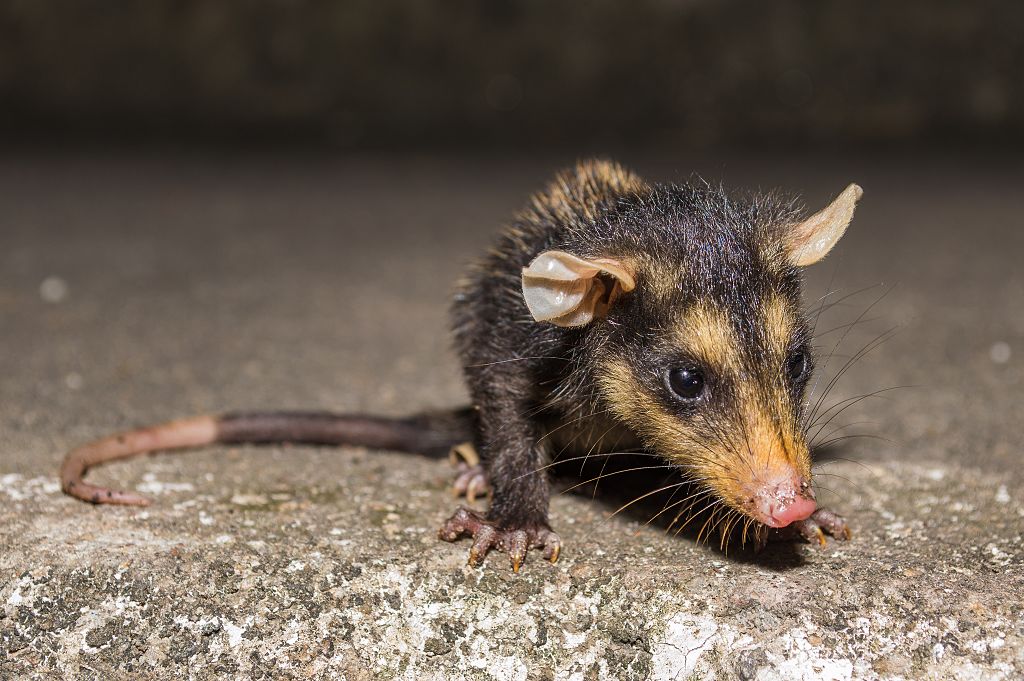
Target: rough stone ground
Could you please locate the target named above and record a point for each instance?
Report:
(134, 289)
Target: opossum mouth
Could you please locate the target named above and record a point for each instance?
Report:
(780, 502)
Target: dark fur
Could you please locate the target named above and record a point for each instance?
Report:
(527, 377)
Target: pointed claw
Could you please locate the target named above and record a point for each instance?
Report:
(833, 523)
(483, 540)
(476, 556)
(810, 531)
(553, 548)
(464, 453)
(474, 488)
(518, 544)
(820, 536)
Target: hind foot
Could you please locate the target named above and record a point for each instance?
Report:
(466, 522)
(471, 481)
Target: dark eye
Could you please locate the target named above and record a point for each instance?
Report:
(796, 365)
(687, 382)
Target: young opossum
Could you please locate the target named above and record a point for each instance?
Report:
(611, 315)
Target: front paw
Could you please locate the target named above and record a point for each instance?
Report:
(820, 523)
(487, 535)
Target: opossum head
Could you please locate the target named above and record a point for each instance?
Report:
(690, 331)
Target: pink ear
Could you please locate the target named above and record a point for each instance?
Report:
(811, 240)
(565, 289)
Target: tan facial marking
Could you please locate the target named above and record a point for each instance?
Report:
(774, 445)
(630, 402)
(778, 324)
(625, 396)
(706, 332)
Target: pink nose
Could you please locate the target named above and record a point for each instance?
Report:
(799, 509)
(784, 502)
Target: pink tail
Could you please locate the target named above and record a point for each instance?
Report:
(193, 432)
(432, 434)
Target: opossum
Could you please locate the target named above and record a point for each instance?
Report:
(611, 314)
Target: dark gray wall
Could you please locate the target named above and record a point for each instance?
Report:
(499, 73)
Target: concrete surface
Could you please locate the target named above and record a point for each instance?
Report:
(135, 289)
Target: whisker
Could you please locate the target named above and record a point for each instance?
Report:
(714, 502)
(608, 475)
(642, 497)
(557, 462)
(604, 465)
(853, 461)
(694, 496)
(843, 337)
(725, 528)
(714, 514)
(852, 402)
(694, 499)
(863, 352)
(597, 443)
(515, 359)
(860, 489)
(867, 436)
(821, 334)
(839, 429)
(573, 422)
(826, 307)
(746, 528)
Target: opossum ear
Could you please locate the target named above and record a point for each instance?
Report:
(811, 240)
(566, 290)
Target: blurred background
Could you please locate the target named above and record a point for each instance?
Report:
(513, 74)
(209, 205)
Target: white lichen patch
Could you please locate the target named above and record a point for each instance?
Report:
(229, 634)
(801, 660)
(687, 637)
(20, 592)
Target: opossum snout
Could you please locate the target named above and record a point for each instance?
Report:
(781, 501)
